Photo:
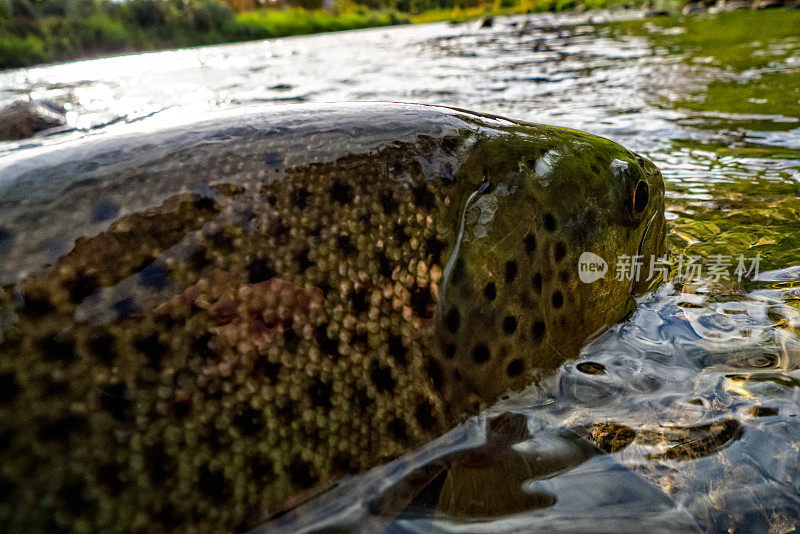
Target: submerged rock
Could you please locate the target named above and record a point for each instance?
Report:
(25, 119)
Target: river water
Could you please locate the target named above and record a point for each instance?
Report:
(683, 417)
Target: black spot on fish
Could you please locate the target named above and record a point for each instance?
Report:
(560, 251)
(434, 248)
(480, 353)
(450, 351)
(549, 222)
(9, 387)
(222, 241)
(359, 340)
(154, 276)
(300, 198)
(399, 233)
(344, 463)
(200, 346)
(361, 399)
(103, 210)
(301, 473)
(424, 415)
(58, 348)
(453, 320)
(261, 468)
(199, 259)
(55, 387)
(59, 429)
(537, 331)
(6, 239)
(490, 291)
(434, 371)
(423, 197)
(248, 421)
(511, 271)
(291, 341)
(422, 302)
(265, 369)
(397, 429)
(6, 488)
(537, 282)
(153, 349)
(212, 483)
(345, 244)
(564, 276)
(280, 231)
(75, 496)
(320, 394)
(116, 401)
(397, 350)
(558, 299)
(81, 287)
(449, 145)
(180, 408)
(325, 287)
(341, 192)
(381, 377)
(326, 344)
(205, 204)
(515, 368)
(109, 475)
(216, 439)
(302, 260)
(509, 324)
(260, 270)
(388, 203)
(359, 301)
(384, 265)
(160, 465)
(530, 243)
(169, 516)
(35, 306)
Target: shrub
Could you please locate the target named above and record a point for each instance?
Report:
(18, 51)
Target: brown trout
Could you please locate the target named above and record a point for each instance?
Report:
(202, 325)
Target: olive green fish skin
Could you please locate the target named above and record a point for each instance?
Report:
(205, 324)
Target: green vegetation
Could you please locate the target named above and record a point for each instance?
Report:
(54, 30)
(753, 86)
(37, 31)
(460, 13)
(753, 57)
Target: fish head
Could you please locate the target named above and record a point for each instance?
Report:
(538, 266)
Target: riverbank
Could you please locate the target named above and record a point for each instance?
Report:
(67, 32)
(62, 30)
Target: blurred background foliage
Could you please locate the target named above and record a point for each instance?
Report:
(36, 31)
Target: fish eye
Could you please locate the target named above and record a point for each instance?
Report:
(641, 197)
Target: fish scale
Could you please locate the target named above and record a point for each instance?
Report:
(284, 303)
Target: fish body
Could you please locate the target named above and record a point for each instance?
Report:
(202, 325)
